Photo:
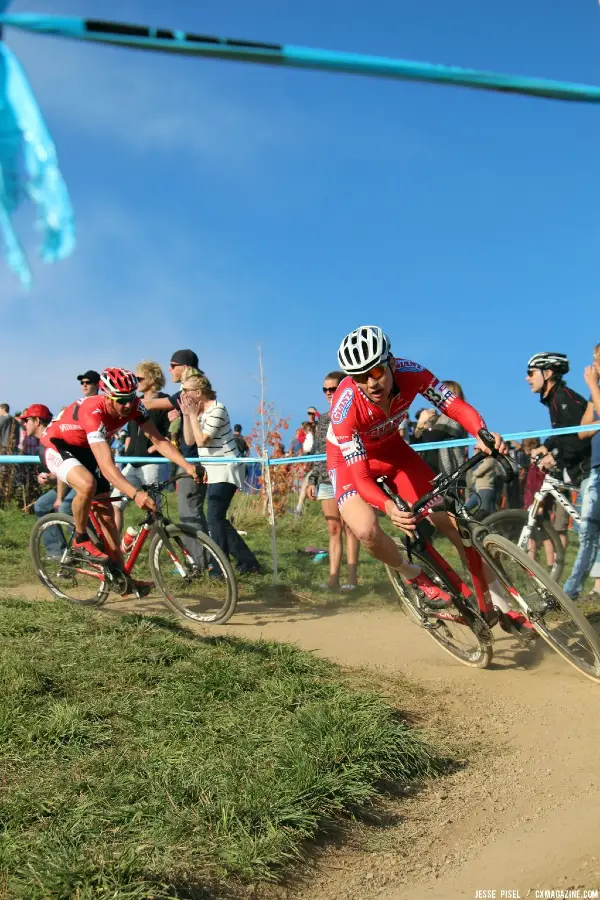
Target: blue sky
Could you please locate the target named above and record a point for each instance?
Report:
(224, 206)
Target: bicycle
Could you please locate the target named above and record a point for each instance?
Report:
(202, 589)
(464, 628)
(526, 527)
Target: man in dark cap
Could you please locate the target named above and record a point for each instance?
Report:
(90, 383)
(190, 496)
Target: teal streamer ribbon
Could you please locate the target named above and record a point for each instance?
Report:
(29, 170)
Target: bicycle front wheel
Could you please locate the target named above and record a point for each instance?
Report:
(457, 629)
(544, 544)
(202, 588)
(553, 615)
(65, 574)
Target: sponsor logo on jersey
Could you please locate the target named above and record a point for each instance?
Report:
(390, 425)
(64, 426)
(407, 365)
(342, 407)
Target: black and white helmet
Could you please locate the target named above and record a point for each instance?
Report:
(558, 362)
(362, 349)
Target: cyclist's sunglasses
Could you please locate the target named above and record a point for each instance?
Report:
(375, 372)
(123, 400)
(530, 372)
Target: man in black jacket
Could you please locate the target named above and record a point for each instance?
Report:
(566, 407)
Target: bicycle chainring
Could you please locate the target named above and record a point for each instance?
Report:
(116, 579)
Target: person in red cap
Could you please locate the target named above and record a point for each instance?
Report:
(35, 418)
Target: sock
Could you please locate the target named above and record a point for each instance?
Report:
(497, 595)
(410, 571)
(80, 537)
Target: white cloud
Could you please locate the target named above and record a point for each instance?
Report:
(88, 312)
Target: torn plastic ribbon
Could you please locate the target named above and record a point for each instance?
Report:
(29, 169)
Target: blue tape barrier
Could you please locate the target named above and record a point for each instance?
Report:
(143, 37)
(320, 457)
(147, 460)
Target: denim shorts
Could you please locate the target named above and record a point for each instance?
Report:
(325, 491)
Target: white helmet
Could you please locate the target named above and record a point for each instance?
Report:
(362, 349)
(558, 362)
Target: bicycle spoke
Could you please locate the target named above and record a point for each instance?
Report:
(193, 576)
(65, 574)
(466, 638)
(553, 614)
(541, 543)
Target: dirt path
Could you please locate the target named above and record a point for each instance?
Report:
(523, 817)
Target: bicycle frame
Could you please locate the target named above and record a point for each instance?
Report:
(469, 529)
(153, 521)
(551, 488)
(137, 545)
(474, 559)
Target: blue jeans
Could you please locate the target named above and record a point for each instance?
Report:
(589, 535)
(487, 501)
(53, 537)
(219, 497)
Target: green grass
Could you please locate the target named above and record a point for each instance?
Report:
(299, 576)
(140, 761)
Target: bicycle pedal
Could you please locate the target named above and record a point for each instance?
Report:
(490, 617)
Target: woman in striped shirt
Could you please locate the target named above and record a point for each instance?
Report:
(206, 423)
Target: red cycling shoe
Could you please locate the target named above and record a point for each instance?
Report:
(436, 597)
(89, 549)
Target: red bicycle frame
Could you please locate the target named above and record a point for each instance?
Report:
(475, 566)
(136, 548)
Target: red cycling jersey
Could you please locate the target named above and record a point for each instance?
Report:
(363, 441)
(88, 422)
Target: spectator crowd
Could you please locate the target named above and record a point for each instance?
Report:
(195, 421)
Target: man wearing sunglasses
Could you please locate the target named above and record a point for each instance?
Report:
(545, 376)
(76, 448)
(364, 443)
(90, 383)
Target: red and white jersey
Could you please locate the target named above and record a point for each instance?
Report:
(88, 421)
(366, 440)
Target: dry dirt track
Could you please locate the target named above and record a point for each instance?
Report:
(523, 817)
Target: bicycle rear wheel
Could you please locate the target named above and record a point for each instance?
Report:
(206, 593)
(553, 615)
(65, 574)
(512, 522)
(457, 629)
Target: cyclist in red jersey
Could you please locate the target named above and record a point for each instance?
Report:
(364, 443)
(76, 448)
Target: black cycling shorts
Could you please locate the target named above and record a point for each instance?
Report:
(59, 458)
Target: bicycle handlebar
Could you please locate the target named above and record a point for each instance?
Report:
(443, 482)
(159, 486)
